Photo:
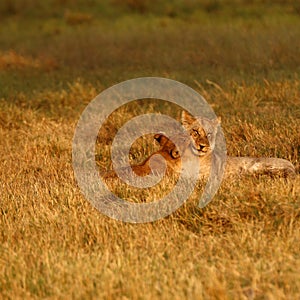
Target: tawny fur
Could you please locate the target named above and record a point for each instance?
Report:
(234, 165)
(203, 132)
(153, 164)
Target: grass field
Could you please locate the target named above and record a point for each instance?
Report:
(55, 57)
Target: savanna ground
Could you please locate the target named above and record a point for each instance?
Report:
(55, 56)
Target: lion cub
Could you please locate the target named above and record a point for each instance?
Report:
(154, 164)
(204, 143)
(201, 145)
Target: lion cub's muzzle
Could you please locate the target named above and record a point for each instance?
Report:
(200, 150)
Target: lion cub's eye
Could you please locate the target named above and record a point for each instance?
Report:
(194, 133)
(175, 153)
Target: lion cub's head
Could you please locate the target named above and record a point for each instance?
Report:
(203, 131)
(170, 152)
(154, 164)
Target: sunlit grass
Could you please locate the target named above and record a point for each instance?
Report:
(55, 244)
(55, 57)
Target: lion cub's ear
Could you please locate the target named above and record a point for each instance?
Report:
(160, 138)
(186, 119)
(175, 153)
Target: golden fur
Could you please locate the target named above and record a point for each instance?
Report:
(203, 132)
(205, 142)
(154, 163)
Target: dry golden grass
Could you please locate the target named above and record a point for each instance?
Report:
(12, 60)
(54, 244)
(75, 18)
